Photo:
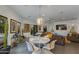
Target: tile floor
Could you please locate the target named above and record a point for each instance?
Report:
(20, 49)
(72, 48)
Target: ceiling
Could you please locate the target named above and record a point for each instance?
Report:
(48, 12)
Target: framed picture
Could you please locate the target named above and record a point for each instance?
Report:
(34, 29)
(61, 27)
(3, 19)
(14, 26)
(26, 28)
(18, 27)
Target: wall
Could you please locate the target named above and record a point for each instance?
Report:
(5, 11)
(69, 24)
(28, 21)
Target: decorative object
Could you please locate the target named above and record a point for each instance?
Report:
(61, 27)
(26, 28)
(14, 26)
(34, 29)
(18, 27)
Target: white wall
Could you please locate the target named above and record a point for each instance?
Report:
(27, 21)
(5, 11)
(69, 24)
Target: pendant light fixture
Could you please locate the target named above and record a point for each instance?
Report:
(40, 19)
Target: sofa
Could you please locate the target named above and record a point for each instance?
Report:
(60, 39)
(74, 37)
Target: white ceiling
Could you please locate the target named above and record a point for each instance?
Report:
(49, 12)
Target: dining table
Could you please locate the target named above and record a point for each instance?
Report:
(37, 39)
(39, 42)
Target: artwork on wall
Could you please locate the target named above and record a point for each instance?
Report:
(14, 26)
(61, 27)
(34, 29)
(2, 23)
(45, 29)
(18, 27)
(26, 28)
